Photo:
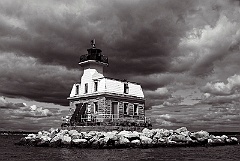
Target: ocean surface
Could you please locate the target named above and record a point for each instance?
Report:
(9, 151)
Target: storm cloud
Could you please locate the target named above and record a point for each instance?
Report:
(165, 45)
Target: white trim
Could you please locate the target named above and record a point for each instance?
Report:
(92, 61)
(127, 108)
(108, 93)
(94, 108)
(137, 109)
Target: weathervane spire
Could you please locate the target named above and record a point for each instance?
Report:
(93, 43)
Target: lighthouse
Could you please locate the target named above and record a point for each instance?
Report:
(97, 99)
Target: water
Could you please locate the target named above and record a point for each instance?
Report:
(9, 151)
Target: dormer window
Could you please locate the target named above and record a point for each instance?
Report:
(126, 88)
(77, 89)
(86, 88)
(95, 86)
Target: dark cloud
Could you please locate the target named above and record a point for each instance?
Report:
(55, 34)
(25, 77)
(52, 33)
(173, 45)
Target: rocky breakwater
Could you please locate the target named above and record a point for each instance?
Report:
(124, 139)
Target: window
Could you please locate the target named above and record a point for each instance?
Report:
(126, 88)
(125, 106)
(95, 86)
(86, 88)
(135, 109)
(77, 89)
(95, 107)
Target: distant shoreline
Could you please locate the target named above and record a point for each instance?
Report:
(17, 132)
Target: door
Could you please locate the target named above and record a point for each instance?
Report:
(115, 109)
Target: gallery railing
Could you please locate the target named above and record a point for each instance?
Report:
(112, 120)
(112, 117)
(94, 56)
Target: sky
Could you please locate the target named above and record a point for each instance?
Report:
(185, 54)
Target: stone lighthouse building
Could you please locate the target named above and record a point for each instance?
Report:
(97, 98)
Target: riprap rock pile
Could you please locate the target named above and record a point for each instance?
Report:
(121, 139)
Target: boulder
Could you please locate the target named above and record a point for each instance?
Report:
(102, 142)
(178, 138)
(224, 137)
(200, 136)
(135, 143)
(93, 139)
(181, 130)
(56, 140)
(145, 140)
(233, 140)
(43, 141)
(122, 142)
(123, 133)
(39, 134)
(45, 133)
(167, 133)
(95, 144)
(76, 136)
(132, 136)
(45, 138)
(66, 140)
(100, 134)
(79, 142)
(216, 141)
(162, 140)
(63, 132)
(53, 133)
(73, 132)
(170, 142)
(111, 136)
(148, 133)
(92, 133)
(87, 136)
(30, 136)
(158, 135)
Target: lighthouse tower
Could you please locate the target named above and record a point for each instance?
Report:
(92, 64)
(97, 98)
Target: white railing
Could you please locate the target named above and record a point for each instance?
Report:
(101, 117)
